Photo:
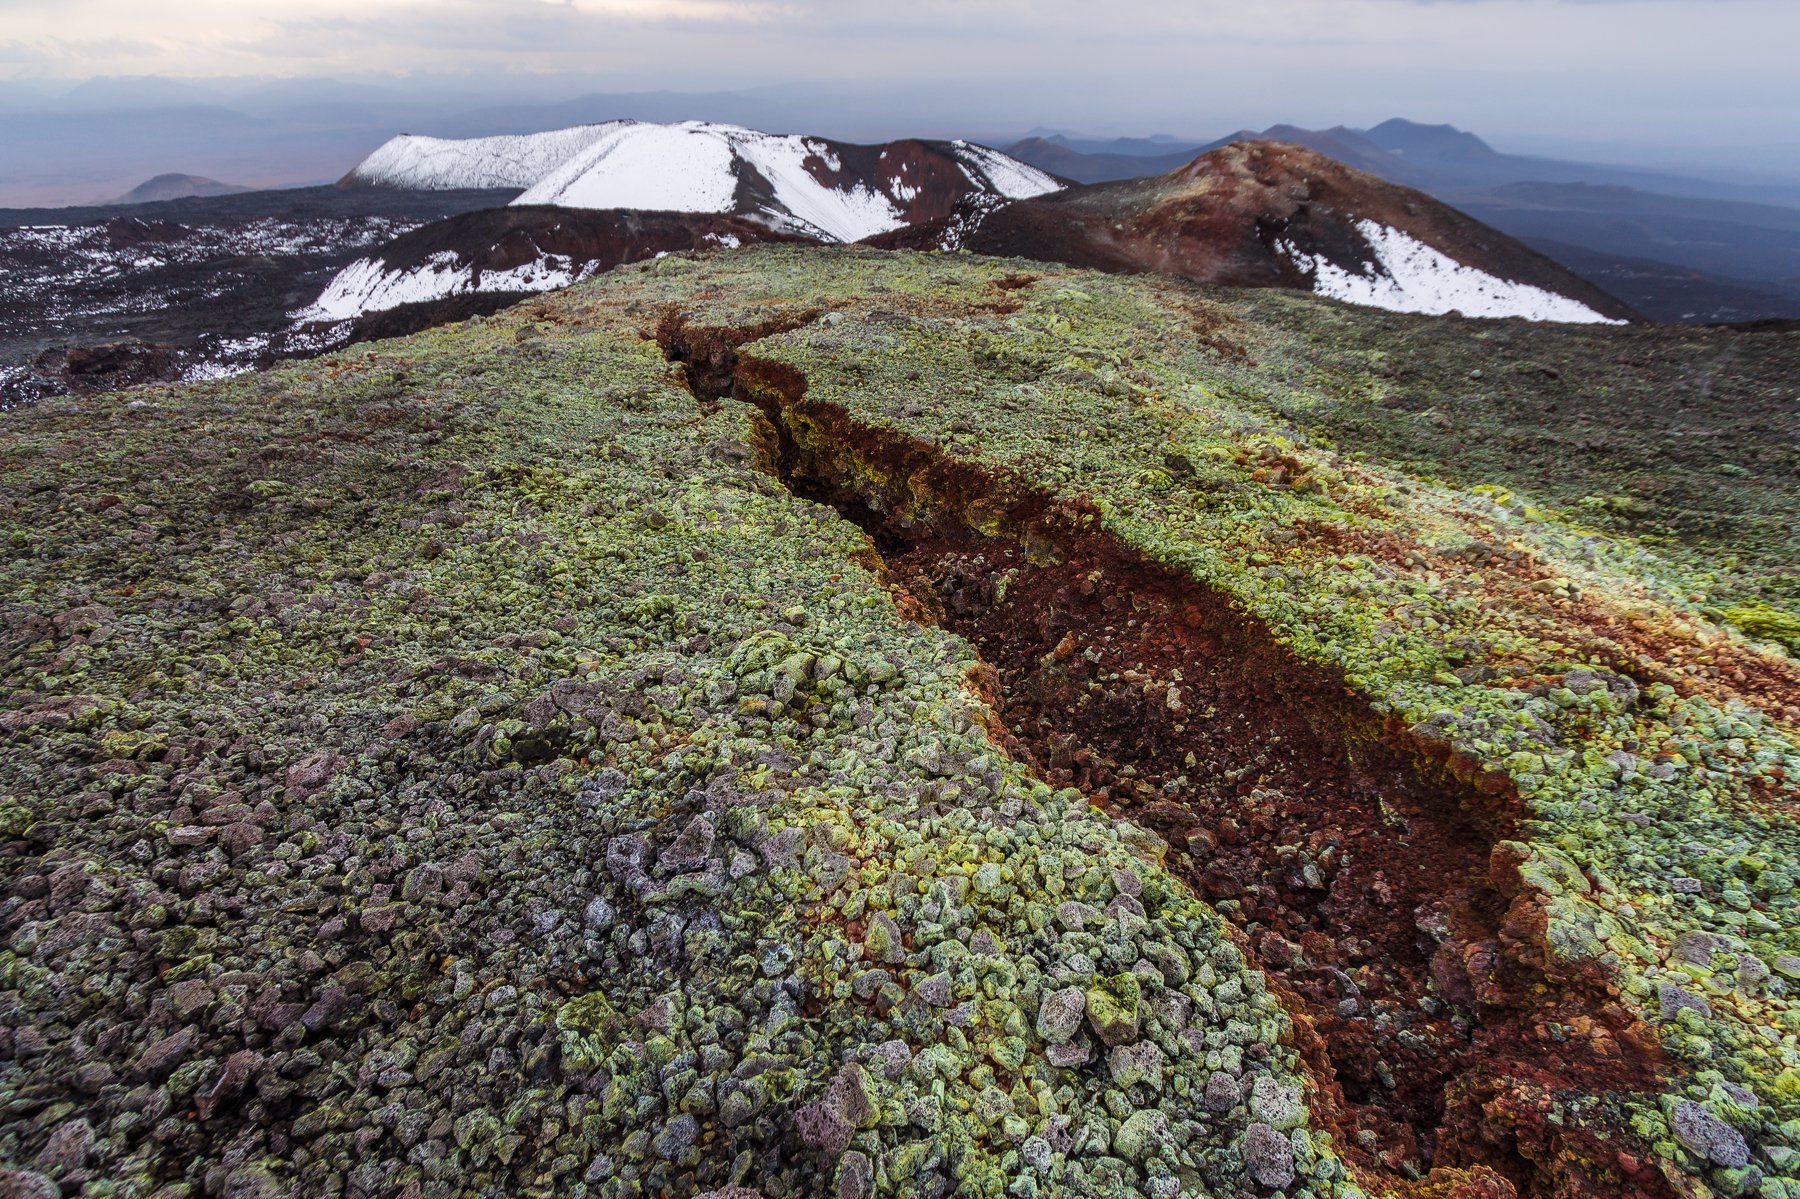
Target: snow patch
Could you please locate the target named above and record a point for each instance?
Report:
(970, 216)
(659, 168)
(1001, 173)
(369, 285)
(696, 167)
(802, 203)
(205, 370)
(441, 164)
(1409, 276)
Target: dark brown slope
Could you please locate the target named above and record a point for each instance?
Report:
(924, 180)
(498, 240)
(502, 239)
(1239, 216)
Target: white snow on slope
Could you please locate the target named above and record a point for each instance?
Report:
(370, 285)
(1003, 174)
(367, 285)
(660, 168)
(1409, 276)
(694, 167)
(439, 164)
(839, 213)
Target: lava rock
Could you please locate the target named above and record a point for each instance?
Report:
(1269, 1156)
(1059, 1015)
(1707, 1136)
(1113, 1009)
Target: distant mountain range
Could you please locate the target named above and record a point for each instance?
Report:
(1674, 247)
(1429, 157)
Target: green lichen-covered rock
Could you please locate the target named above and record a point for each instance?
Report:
(550, 802)
(1112, 1009)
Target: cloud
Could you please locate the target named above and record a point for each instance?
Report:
(1602, 68)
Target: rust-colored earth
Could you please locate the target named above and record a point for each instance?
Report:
(1364, 872)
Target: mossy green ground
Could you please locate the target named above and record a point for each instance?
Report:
(1687, 440)
(481, 678)
(472, 703)
(1504, 626)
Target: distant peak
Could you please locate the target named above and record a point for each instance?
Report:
(1396, 123)
(173, 185)
(1399, 135)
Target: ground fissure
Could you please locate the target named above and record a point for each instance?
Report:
(1371, 876)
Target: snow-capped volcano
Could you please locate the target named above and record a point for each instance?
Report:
(446, 164)
(1265, 214)
(811, 186)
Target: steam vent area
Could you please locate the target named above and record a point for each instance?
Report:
(833, 722)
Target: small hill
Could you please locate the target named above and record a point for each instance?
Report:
(1268, 214)
(517, 250)
(178, 187)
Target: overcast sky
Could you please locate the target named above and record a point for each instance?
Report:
(1635, 79)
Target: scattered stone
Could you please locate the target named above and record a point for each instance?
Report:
(689, 851)
(233, 1077)
(1140, 1137)
(68, 1147)
(882, 940)
(1269, 1156)
(934, 990)
(189, 998)
(1673, 1000)
(379, 920)
(1276, 1103)
(26, 1184)
(1059, 1015)
(1112, 1008)
(1697, 948)
(253, 1182)
(162, 1056)
(893, 1057)
(598, 915)
(1707, 1136)
(1222, 1093)
(676, 1137)
(582, 918)
(1142, 1063)
(855, 1176)
(828, 1123)
(312, 772)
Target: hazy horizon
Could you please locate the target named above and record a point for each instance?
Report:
(1697, 86)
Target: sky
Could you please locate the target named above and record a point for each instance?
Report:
(1654, 82)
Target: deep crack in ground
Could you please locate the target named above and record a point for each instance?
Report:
(1366, 879)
